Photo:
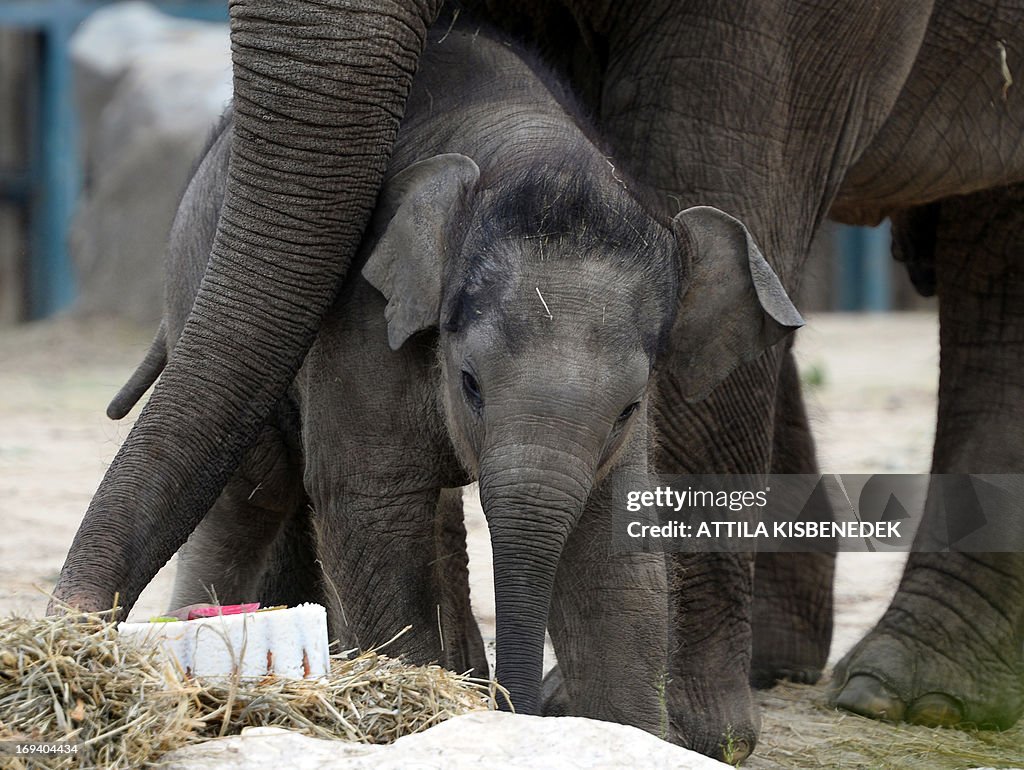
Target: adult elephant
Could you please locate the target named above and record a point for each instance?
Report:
(777, 112)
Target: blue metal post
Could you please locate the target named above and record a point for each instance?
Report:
(864, 268)
(877, 275)
(846, 281)
(51, 273)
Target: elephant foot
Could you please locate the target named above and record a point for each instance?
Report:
(943, 657)
(792, 618)
(717, 718)
(869, 697)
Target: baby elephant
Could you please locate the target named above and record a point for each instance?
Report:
(501, 325)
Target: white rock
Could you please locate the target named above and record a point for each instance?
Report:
(480, 740)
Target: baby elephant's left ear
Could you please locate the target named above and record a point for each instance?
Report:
(732, 305)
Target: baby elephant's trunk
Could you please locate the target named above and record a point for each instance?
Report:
(533, 494)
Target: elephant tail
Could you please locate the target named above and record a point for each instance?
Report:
(142, 378)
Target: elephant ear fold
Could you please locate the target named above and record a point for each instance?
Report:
(732, 306)
(410, 233)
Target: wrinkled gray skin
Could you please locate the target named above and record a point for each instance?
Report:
(776, 111)
(524, 295)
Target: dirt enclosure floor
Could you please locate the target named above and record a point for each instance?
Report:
(871, 392)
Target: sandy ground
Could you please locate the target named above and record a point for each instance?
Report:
(873, 411)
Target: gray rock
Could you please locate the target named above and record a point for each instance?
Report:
(150, 88)
(469, 742)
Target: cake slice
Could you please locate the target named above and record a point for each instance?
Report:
(289, 642)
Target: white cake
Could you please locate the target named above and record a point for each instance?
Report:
(285, 642)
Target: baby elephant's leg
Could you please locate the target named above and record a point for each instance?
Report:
(609, 625)
(376, 458)
(293, 575)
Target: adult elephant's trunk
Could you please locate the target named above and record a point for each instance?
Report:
(320, 86)
(532, 495)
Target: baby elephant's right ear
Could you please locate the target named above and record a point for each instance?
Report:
(734, 306)
(410, 224)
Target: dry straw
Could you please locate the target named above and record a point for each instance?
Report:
(125, 705)
(800, 732)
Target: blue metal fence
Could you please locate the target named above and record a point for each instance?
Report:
(49, 183)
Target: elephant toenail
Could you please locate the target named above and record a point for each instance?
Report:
(935, 710)
(868, 697)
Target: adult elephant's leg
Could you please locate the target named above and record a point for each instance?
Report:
(792, 591)
(747, 107)
(320, 87)
(460, 634)
(950, 648)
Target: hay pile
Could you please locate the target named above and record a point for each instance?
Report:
(125, 705)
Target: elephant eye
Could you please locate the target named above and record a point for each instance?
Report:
(628, 412)
(472, 390)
